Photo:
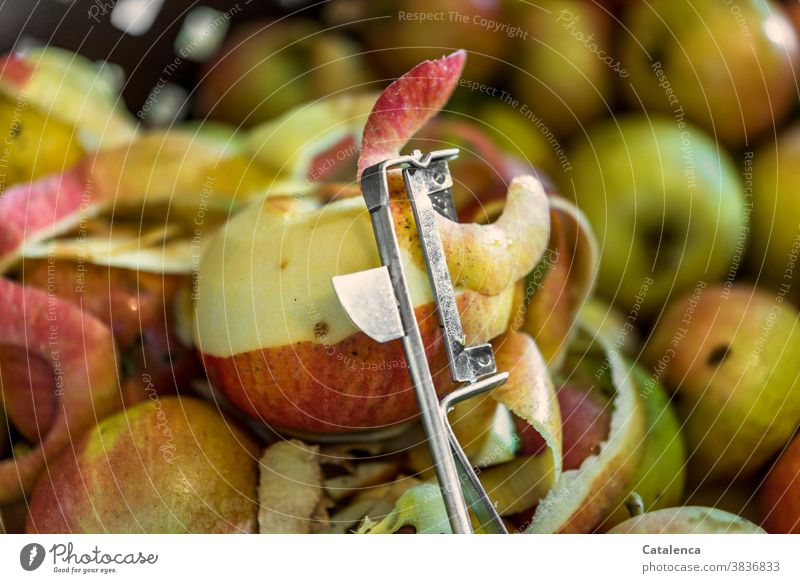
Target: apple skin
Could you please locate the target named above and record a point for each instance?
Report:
(586, 419)
(264, 69)
(355, 384)
(660, 478)
(779, 497)
(775, 241)
(561, 79)
(139, 307)
(172, 465)
(733, 357)
(687, 520)
(32, 406)
(655, 228)
(79, 351)
(708, 57)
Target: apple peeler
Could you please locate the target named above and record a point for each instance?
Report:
(379, 304)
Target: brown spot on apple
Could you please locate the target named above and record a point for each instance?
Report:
(321, 330)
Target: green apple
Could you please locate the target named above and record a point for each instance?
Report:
(566, 68)
(661, 475)
(732, 353)
(618, 329)
(775, 242)
(687, 520)
(265, 68)
(728, 66)
(665, 203)
(517, 136)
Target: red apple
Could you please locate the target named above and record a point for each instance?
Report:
(585, 424)
(272, 333)
(79, 351)
(140, 309)
(167, 465)
(779, 497)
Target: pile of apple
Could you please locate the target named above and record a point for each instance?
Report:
(173, 357)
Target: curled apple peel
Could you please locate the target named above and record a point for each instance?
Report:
(80, 350)
(558, 288)
(182, 176)
(580, 499)
(71, 88)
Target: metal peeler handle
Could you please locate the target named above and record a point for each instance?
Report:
(379, 303)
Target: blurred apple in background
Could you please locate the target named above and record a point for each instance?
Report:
(687, 520)
(266, 68)
(164, 466)
(779, 497)
(733, 357)
(399, 35)
(566, 61)
(731, 66)
(775, 241)
(665, 203)
(518, 137)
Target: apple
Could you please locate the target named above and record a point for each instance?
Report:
(513, 134)
(34, 404)
(697, 58)
(618, 329)
(139, 307)
(482, 171)
(566, 68)
(397, 37)
(275, 339)
(78, 351)
(169, 465)
(265, 68)
(687, 520)
(661, 475)
(779, 497)
(775, 241)
(665, 203)
(585, 422)
(737, 497)
(272, 333)
(732, 354)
